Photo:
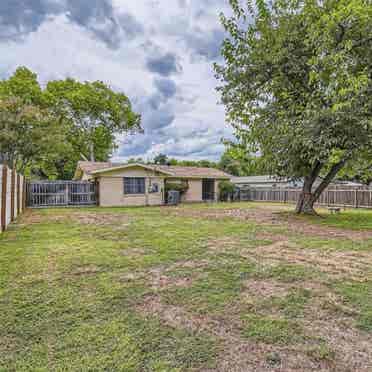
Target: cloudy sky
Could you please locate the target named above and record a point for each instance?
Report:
(159, 52)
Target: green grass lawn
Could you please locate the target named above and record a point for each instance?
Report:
(204, 287)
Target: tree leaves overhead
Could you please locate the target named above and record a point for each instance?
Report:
(297, 82)
(94, 110)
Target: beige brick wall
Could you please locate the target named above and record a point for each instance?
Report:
(194, 192)
(216, 192)
(111, 188)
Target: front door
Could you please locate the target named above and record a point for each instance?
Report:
(208, 189)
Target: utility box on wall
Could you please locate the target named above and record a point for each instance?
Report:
(173, 197)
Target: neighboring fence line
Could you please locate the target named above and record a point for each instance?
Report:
(61, 193)
(12, 196)
(355, 198)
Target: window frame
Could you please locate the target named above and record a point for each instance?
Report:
(135, 187)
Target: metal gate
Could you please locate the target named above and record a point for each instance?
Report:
(61, 193)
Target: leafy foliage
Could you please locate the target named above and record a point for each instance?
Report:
(236, 161)
(26, 132)
(161, 159)
(296, 84)
(359, 170)
(46, 132)
(225, 188)
(182, 187)
(95, 114)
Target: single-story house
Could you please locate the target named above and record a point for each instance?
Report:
(143, 184)
(265, 181)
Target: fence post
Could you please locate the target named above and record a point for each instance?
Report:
(355, 198)
(18, 194)
(24, 193)
(12, 193)
(4, 180)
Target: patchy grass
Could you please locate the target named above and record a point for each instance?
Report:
(353, 219)
(291, 305)
(230, 286)
(358, 295)
(288, 272)
(271, 330)
(220, 285)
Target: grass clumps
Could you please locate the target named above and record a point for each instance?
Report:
(271, 330)
(359, 296)
(291, 306)
(320, 352)
(286, 272)
(182, 289)
(219, 286)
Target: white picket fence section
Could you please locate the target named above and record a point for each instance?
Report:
(12, 196)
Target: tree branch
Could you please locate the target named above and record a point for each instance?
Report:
(316, 170)
(329, 177)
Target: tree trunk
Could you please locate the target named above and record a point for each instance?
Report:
(308, 198)
(91, 151)
(305, 203)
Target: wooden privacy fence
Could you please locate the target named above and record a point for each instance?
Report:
(61, 193)
(339, 197)
(12, 195)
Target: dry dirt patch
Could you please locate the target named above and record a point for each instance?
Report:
(86, 270)
(307, 228)
(101, 219)
(265, 288)
(337, 264)
(352, 347)
(270, 215)
(158, 280)
(258, 215)
(134, 252)
(237, 354)
(84, 218)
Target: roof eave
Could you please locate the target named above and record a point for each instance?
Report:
(201, 177)
(154, 169)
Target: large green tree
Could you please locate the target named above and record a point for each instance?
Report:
(297, 83)
(26, 133)
(27, 130)
(236, 161)
(95, 112)
(46, 131)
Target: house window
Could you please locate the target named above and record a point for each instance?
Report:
(134, 185)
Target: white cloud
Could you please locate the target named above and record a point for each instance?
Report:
(179, 109)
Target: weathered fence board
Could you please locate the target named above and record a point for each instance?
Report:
(340, 197)
(11, 196)
(61, 193)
